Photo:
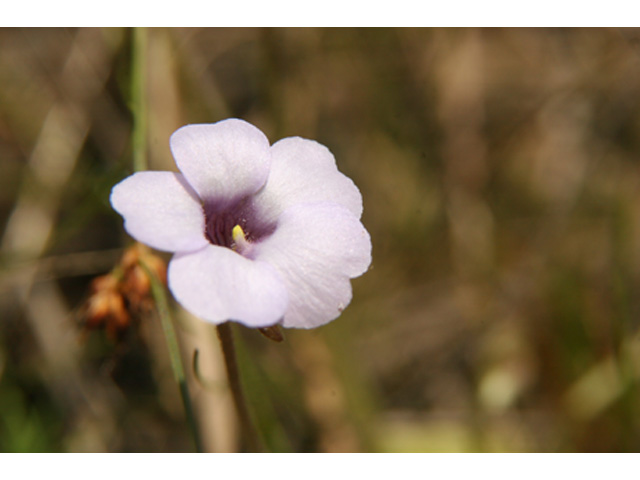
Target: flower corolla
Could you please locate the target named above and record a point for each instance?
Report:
(261, 234)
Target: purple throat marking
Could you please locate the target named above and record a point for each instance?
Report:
(220, 220)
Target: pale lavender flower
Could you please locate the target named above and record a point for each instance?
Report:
(262, 234)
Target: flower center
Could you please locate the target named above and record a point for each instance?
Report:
(234, 227)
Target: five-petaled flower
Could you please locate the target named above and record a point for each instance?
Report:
(262, 234)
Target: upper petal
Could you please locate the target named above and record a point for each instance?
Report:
(316, 248)
(223, 161)
(305, 171)
(161, 210)
(217, 284)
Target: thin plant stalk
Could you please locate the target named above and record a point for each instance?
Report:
(159, 295)
(139, 147)
(139, 99)
(225, 334)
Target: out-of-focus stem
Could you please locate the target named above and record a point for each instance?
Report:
(138, 99)
(225, 334)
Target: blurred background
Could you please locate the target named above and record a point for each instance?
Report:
(500, 171)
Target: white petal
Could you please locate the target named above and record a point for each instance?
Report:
(217, 284)
(223, 161)
(316, 248)
(304, 171)
(161, 210)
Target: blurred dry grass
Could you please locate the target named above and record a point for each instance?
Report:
(500, 174)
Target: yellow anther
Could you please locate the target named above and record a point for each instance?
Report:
(240, 242)
(238, 234)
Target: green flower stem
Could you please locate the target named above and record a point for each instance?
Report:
(138, 99)
(225, 334)
(158, 292)
(139, 147)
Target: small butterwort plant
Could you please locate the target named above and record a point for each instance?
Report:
(261, 234)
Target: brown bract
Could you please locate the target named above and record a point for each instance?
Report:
(121, 297)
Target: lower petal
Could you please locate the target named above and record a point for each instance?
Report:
(218, 284)
(316, 248)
